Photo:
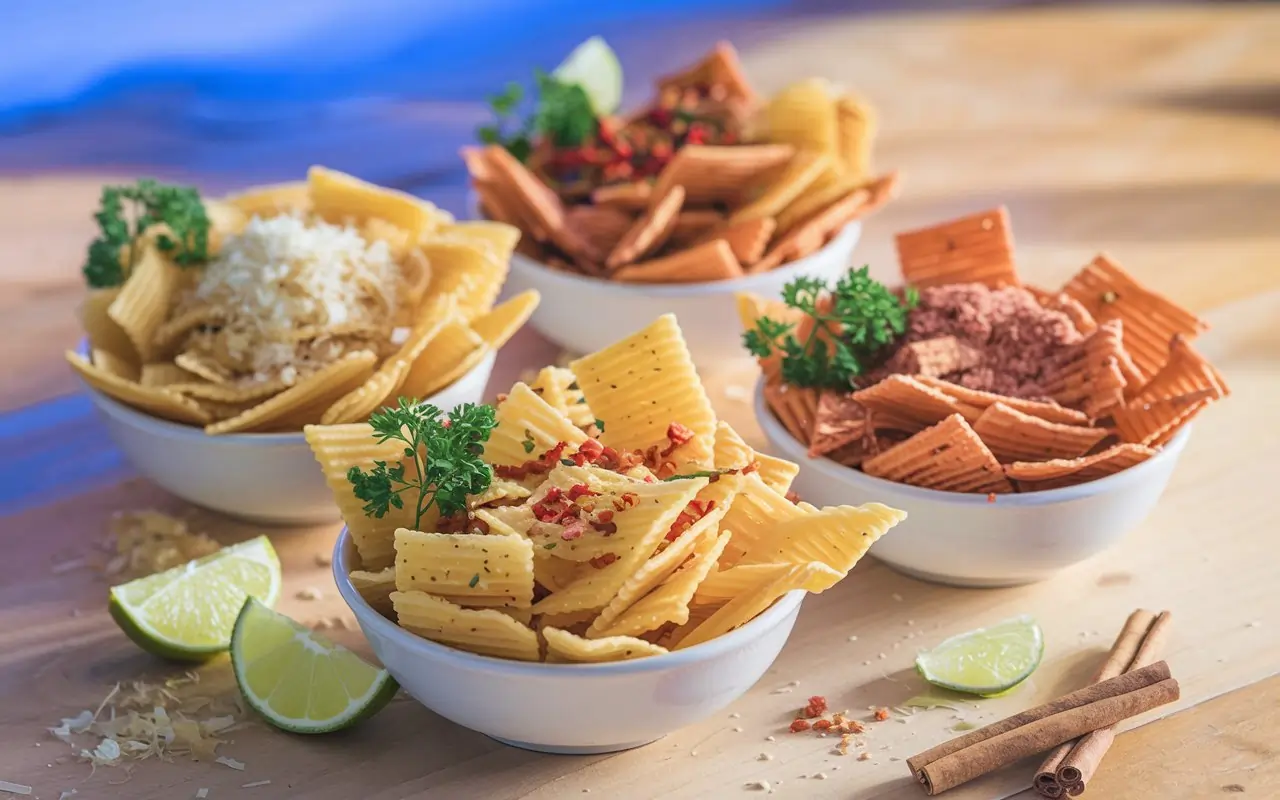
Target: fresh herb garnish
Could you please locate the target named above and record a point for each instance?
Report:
(445, 454)
(568, 462)
(145, 204)
(474, 580)
(599, 424)
(863, 318)
(527, 443)
(702, 473)
(549, 546)
(561, 112)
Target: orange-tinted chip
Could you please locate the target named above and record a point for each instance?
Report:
(537, 201)
(1154, 423)
(809, 236)
(1186, 372)
(973, 249)
(839, 421)
(749, 239)
(719, 68)
(782, 189)
(691, 224)
(1065, 303)
(650, 231)
(1150, 320)
(903, 403)
(1050, 412)
(603, 226)
(715, 174)
(949, 457)
(712, 261)
(1040, 475)
(1014, 436)
(795, 408)
(624, 196)
(1090, 377)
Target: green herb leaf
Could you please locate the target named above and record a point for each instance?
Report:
(564, 112)
(445, 453)
(528, 444)
(862, 319)
(702, 473)
(600, 424)
(474, 580)
(148, 203)
(549, 546)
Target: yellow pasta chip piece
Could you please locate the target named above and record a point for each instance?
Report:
(104, 332)
(507, 520)
(698, 614)
(342, 199)
(272, 199)
(164, 373)
(574, 621)
(644, 383)
(498, 326)
(815, 577)
(669, 602)
(143, 303)
(755, 512)
(466, 272)
(566, 648)
(338, 448)
(526, 428)
(154, 400)
(202, 365)
(375, 588)
(109, 362)
(498, 239)
(484, 631)
(722, 586)
(470, 569)
(559, 387)
(305, 401)
(230, 393)
(453, 347)
(803, 115)
(170, 333)
(640, 529)
(777, 473)
(554, 574)
(360, 402)
(838, 536)
(732, 452)
(499, 489)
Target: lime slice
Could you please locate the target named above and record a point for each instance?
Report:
(593, 66)
(985, 661)
(187, 612)
(299, 680)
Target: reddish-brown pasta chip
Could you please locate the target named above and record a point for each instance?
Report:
(1040, 475)
(973, 249)
(1153, 423)
(712, 261)
(1091, 378)
(1014, 436)
(795, 408)
(903, 403)
(1050, 412)
(839, 421)
(650, 231)
(948, 456)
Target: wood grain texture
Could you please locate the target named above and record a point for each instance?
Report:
(1149, 133)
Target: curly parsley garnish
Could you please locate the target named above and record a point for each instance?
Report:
(145, 204)
(445, 454)
(562, 113)
(864, 318)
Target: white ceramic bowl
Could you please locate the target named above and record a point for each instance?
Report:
(572, 708)
(264, 477)
(964, 540)
(584, 315)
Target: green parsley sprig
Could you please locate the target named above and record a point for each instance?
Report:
(443, 450)
(125, 213)
(863, 319)
(561, 112)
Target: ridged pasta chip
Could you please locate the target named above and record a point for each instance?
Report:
(485, 631)
(564, 647)
(815, 577)
(143, 302)
(837, 536)
(340, 198)
(305, 400)
(154, 400)
(376, 588)
(524, 417)
(471, 569)
(497, 326)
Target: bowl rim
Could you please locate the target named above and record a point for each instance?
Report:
(738, 637)
(177, 430)
(780, 437)
(847, 238)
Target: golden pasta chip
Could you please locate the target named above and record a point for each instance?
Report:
(465, 271)
(484, 631)
(497, 327)
(341, 199)
(816, 577)
(305, 400)
(154, 400)
(449, 354)
(838, 536)
(376, 588)
(528, 427)
(470, 569)
(564, 647)
(273, 199)
(143, 303)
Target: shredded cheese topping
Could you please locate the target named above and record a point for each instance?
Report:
(294, 292)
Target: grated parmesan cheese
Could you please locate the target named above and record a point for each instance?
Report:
(289, 290)
(14, 788)
(231, 762)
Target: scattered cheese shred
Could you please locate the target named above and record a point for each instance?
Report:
(147, 541)
(202, 793)
(230, 762)
(254, 785)
(14, 788)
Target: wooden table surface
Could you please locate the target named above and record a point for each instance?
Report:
(1151, 133)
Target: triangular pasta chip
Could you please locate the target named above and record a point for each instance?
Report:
(497, 238)
(471, 569)
(559, 387)
(467, 272)
(640, 529)
(643, 384)
(733, 452)
(836, 536)
(376, 588)
(499, 489)
(722, 586)
(484, 631)
(815, 577)
(564, 647)
(528, 427)
(755, 512)
(342, 199)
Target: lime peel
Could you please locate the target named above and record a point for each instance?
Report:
(594, 66)
(985, 661)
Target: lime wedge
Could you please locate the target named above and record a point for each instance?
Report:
(593, 66)
(985, 661)
(187, 612)
(300, 681)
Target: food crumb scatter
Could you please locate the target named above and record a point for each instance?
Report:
(1255, 624)
(764, 757)
(14, 788)
(853, 638)
(202, 793)
(324, 560)
(254, 784)
(864, 756)
(737, 729)
(230, 762)
(734, 715)
(310, 593)
(820, 776)
(763, 786)
(770, 738)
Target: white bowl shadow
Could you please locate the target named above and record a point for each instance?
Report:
(572, 708)
(966, 539)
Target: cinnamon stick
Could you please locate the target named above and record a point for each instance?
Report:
(1078, 766)
(1117, 662)
(1038, 729)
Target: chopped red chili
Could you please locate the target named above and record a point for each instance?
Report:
(603, 560)
(754, 466)
(881, 714)
(580, 490)
(573, 529)
(817, 706)
(793, 497)
(537, 466)
(605, 516)
(677, 435)
(799, 725)
(822, 725)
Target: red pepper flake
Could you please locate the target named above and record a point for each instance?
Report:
(855, 726)
(822, 725)
(793, 497)
(573, 530)
(882, 714)
(603, 560)
(991, 497)
(591, 449)
(538, 466)
(579, 490)
(817, 707)
(677, 435)
(607, 528)
(799, 725)
(627, 500)
(604, 516)
(754, 466)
